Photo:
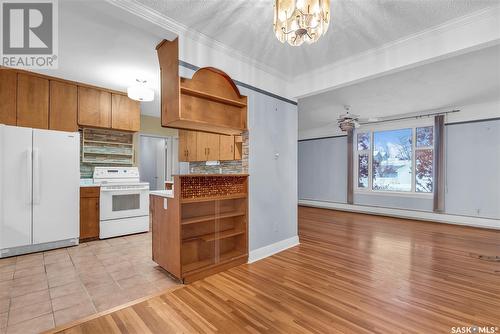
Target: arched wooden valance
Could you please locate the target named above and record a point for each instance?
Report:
(209, 101)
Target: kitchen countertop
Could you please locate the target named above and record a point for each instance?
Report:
(88, 183)
(162, 193)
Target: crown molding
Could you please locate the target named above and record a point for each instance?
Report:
(171, 25)
(474, 31)
(464, 34)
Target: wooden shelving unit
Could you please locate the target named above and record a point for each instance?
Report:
(210, 101)
(196, 236)
(107, 147)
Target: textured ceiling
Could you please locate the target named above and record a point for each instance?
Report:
(356, 26)
(462, 80)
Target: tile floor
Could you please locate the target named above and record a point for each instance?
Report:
(43, 290)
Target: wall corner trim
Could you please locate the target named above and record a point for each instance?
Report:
(263, 252)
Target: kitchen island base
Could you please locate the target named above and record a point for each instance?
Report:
(202, 227)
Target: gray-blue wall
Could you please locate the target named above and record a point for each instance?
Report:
(472, 172)
(323, 169)
(273, 129)
(473, 169)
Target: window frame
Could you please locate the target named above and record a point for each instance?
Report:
(371, 129)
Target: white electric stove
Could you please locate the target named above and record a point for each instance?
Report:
(124, 203)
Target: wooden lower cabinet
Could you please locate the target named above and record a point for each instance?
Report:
(197, 233)
(89, 213)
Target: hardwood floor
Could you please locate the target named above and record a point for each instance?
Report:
(352, 273)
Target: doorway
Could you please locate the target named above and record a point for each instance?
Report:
(156, 160)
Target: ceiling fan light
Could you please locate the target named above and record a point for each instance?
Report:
(140, 92)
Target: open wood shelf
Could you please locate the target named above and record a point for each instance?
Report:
(199, 219)
(202, 265)
(222, 235)
(214, 198)
(107, 153)
(108, 142)
(211, 97)
(215, 236)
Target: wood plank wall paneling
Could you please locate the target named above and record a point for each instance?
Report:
(352, 273)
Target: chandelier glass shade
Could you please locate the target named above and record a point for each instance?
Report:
(299, 21)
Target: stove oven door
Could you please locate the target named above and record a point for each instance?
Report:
(119, 202)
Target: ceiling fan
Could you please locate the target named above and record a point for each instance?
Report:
(348, 121)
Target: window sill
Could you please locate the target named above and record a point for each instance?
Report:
(394, 194)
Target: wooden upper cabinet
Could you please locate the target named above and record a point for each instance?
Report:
(125, 113)
(207, 146)
(63, 106)
(187, 145)
(8, 93)
(226, 147)
(238, 147)
(32, 101)
(94, 107)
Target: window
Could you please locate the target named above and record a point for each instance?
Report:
(392, 160)
(395, 160)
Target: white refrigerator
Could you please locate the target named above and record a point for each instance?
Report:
(39, 189)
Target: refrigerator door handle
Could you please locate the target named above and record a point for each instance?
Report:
(36, 176)
(29, 198)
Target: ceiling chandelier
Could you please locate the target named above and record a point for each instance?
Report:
(299, 21)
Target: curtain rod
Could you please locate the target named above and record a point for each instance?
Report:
(413, 116)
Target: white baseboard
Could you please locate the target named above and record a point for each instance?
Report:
(263, 252)
(410, 214)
